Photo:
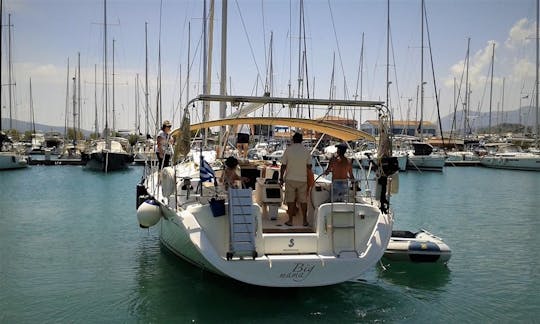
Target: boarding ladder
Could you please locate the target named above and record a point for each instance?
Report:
(342, 217)
(242, 224)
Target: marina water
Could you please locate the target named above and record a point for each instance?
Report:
(71, 251)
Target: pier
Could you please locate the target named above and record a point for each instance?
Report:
(57, 162)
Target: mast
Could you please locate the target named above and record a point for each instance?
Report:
(491, 86)
(205, 58)
(96, 128)
(466, 105)
(74, 109)
(32, 109)
(79, 93)
(388, 51)
(159, 116)
(106, 94)
(67, 102)
(1, 39)
(537, 59)
(188, 60)
(300, 50)
(502, 102)
(113, 103)
(146, 77)
(137, 113)
(210, 52)
(10, 74)
(421, 74)
(223, 79)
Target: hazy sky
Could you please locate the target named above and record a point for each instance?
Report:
(45, 33)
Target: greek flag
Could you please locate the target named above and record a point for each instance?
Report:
(206, 173)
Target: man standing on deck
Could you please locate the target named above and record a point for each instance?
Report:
(295, 163)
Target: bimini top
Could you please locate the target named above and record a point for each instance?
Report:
(335, 130)
(287, 101)
(341, 132)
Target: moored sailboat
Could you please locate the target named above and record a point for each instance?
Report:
(110, 153)
(232, 233)
(509, 156)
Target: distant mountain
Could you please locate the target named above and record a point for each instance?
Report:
(23, 126)
(477, 121)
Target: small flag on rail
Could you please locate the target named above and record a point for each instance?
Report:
(206, 173)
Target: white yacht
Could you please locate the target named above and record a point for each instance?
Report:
(240, 233)
(510, 156)
(9, 157)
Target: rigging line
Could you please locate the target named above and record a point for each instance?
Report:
(459, 91)
(360, 70)
(338, 47)
(481, 102)
(395, 75)
(249, 41)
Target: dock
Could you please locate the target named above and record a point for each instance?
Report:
(57, 162)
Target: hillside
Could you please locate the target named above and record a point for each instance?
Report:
(23, 126)
(481, 121)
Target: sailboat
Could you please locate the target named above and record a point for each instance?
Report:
(509, 156)
(421, 155)
(239, 233)
(9, 157)
(110, 153)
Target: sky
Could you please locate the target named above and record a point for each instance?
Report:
(45, 34)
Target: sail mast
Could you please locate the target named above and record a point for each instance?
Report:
(32, 109)
(387, 52)
(537, 59)
(466, 106)
(421, 74)
(79, 93)
(491, 86)
(96, 128)
(223, 79)
(67, 102)
(10, 74)
(105, 90)
(113, 103)
(146, 77)
(74, 98)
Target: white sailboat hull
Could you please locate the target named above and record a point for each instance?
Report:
(523, 161)
(10, 160)
(430, 162)
(186, 237)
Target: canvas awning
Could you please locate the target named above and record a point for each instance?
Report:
(341, 132)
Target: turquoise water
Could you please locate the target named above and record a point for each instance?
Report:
(71, 251)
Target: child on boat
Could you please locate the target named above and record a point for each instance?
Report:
(229, 175)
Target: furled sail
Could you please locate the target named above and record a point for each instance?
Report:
(183, 142)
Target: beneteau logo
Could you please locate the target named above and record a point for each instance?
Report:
(299, 272)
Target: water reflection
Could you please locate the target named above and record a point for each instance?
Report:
(170, 289)
(424, 276)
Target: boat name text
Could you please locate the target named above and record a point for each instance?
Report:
(299, 272)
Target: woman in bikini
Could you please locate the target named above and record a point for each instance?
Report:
(341, 168)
